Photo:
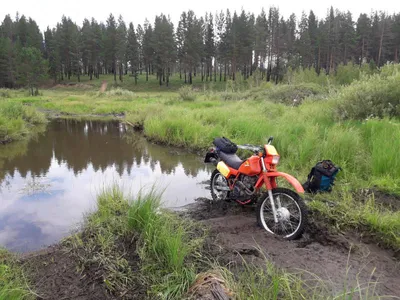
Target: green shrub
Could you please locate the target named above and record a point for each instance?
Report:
(33, 116)
(306, 75)
(5, 93)
(186, 93)
(378, 96)
(293, 94)
(346, 74)
(117, 92)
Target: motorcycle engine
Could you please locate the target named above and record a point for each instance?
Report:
(244, 187)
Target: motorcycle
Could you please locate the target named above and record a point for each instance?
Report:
(280, 211)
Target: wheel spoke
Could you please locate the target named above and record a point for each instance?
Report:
(288, 214)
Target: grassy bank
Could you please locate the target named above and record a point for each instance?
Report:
(13, 285)
(17, 121)
(136, 249)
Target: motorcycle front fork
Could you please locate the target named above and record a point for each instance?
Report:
(270, 196)
(271, 199)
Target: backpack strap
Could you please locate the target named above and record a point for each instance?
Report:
(310, 175)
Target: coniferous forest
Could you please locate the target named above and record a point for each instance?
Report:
(215, 46)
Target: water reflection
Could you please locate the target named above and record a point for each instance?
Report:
(47, 184)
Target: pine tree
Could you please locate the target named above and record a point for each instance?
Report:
(148, 49)
(209, 50)
(132, 53)
(31, 68)
(164, 48)
(111, 46)
(139, 37)
(121, 47)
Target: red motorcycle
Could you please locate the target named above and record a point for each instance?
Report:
(280, 211)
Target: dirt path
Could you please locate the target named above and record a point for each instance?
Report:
(337, 259)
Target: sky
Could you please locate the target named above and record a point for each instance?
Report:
(49, 12)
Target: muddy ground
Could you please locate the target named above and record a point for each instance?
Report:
(57, 273)
(339, 259)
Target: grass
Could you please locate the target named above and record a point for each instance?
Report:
(172, 261)
(13, 285)
(264, 281)
(315, 128)
(363, 214)
(17, 120)
(166, 245)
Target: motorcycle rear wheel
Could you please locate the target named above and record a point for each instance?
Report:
(292, 215)
(218, 180)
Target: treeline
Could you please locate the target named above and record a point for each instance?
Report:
(215, 47)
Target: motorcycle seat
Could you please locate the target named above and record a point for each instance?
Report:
(232, 160)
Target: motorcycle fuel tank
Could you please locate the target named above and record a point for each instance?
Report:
(251, 167)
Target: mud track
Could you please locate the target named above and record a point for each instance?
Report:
(339, 259)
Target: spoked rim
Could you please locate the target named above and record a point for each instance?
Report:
(219, 180)
(289, 215)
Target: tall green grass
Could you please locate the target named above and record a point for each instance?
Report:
(13, 285)
(16, 120)
(167, 245)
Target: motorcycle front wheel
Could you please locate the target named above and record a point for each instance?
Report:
(219, 186)
(291, 213)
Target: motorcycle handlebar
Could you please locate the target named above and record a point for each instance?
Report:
(250, 147)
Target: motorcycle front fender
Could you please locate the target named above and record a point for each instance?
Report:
(270, 182)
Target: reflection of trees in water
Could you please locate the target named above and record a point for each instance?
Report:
(100, 144)
(17, 151)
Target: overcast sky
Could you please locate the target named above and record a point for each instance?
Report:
(49, 12)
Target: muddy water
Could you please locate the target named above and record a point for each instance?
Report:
(48, 183)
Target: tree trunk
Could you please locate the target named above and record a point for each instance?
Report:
(202, 72)
(225, 72)
(168, 77)
(269, 71)
(160, 76)
(190, 77)
(396, 55)
(380, 43)
(319, 60)
(185, 76)
(163, 75)
(147, 72)
(215, 70)
(115, 72)
(180, 71)
(79, 77)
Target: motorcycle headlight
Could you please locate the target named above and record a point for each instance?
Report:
(275, 159)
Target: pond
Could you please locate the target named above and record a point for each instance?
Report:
(48, 183)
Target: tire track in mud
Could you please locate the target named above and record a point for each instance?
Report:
(339, 259)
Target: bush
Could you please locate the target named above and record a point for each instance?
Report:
(346, 74)
(306, 75)
(33, 116)
(293, 94)
(186, 93)
(117, 92)
(378, 96)
(5, 93)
